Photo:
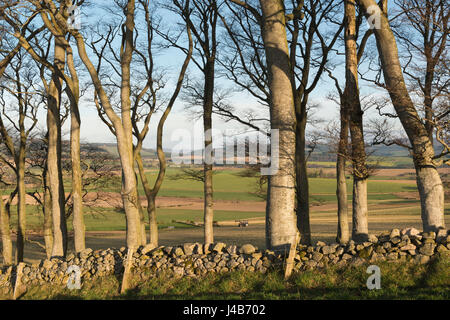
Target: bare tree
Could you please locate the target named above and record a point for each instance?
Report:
(338, 139)
(353, 105)
(146, 97)
(281, 227)
(310, 44)
(203, 22)
(16, 126)
(422, 29)
(429, 183)
(140, 134)
(122, 124)
(5, 227)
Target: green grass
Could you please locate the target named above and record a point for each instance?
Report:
(398, 281)
(382, 162)
(228, 186)
(109, 219)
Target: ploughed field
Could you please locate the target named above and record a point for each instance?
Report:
(392, 197)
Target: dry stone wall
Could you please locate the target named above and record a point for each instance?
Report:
(194, 259)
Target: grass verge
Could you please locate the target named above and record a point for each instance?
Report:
(398, 281)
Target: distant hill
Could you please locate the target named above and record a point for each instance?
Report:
(387, 156)
(111, 148)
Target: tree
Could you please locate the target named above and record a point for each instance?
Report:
(338, 139)
(307, 71)
(429, 183)
(422, 29)
(5, 227)
(353, 105)
(203, 22)
(54, 88)
(281, 226)
(122, 124)
(140, 134)
(281, 193)
(310, 43)
(146, 97)
(16, 125)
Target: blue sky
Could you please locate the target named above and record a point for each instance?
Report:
(94, 130)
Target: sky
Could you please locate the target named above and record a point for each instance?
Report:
(180, 120)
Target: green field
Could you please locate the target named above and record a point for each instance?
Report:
(108, 219)
(229, 186)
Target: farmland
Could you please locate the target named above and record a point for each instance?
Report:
(393, 202)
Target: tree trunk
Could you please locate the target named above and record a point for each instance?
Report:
(429, 183)
(54, 157)
(343, 235)
(280, 207)
(5, 231)
(77, 201)
(150, 195)
(142, 220)
(431, 198)
(73, 91)
(122, 125)
(130, 199)
(21, 205)
(48, 223)
(351, 100)
(303, 221)
(208, 158)
(153, 223)
(125, 140)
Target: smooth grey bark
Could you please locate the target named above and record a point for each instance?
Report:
(429, 183)
(360, 230)
(5, 231)
(343, 235)
(208, 143)
(75, 156)
(280, 208)
(122, 126)
(54, 155)
(48, 221)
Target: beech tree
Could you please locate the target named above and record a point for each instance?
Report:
(202, 19)
(352, 103)
(16, 126)
(422, 30)
(281, 228)
(310, 43)
(146, 96)
(429, 183)
(152, 191)
(122, 124)
(339, 141)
